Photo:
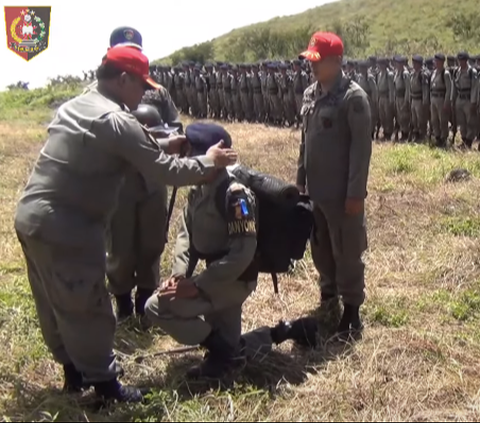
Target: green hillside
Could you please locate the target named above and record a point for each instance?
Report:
(367, 26)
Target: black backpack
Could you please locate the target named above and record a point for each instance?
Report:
(284, 219)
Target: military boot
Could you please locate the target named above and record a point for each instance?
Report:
(124, 306)
(351, 325)
(302, 331)
(73, 380)
(219, 359)
(114, 390)
(141, 298)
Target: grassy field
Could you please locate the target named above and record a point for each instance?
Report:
(396, 26)
(420, 356)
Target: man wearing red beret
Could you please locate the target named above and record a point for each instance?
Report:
(333, 168)
(61, 217)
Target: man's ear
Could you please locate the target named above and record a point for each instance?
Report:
(123, 78)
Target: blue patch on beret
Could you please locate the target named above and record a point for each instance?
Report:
(202, 136)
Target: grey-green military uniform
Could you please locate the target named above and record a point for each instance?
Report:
(334, 165)
(401, 82)
(61, 219)
(440, 103)
(179, 83)
(274, 93)
(201, 93)
(367, 82)
(420, 103)
(258, 101)
(386, 98)
(245, 97)
(228, 243)
(236, 101)
(465, 95)
(136, 233)
(300, 84)
(220, 94)
(227, 81)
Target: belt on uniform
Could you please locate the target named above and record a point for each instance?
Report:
(438, 94)
(244, 90)
(464, 96)
(227, 90)
(257, 90)
(417, 96)
(200, 90)
(400, 92)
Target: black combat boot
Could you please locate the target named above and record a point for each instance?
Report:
(303, 331)
(114, 390)
(351, 325)
(141, 297)
(124, 306)
(219, 359)
(73, 380)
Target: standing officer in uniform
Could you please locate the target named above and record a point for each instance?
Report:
(61, 216)
(136, 233)
(367, 82)
(333, 168)
(386, 98)
(440, 103)
(420, 98)
(465, 99)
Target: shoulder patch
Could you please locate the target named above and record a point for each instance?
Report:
(358, 105)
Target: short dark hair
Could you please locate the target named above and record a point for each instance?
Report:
(107, 71)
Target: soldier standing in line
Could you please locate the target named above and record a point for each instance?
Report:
(213, 100)
(202, 92)
(333, 167)
(244, 87)
(237, 103)
(276, 107)
(227, 93)
(441, 97)
(220, 94)
(452, 68)
(250, 93)
(266, 97)
(350, 70)
(420, 99)
(401, 82)
(258, 101)
(386, 97)
(429, 68)
(465, 99)
(367, 82)
(179, 84)
(300, 84)
(187, 87)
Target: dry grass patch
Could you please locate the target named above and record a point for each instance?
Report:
(419, 359)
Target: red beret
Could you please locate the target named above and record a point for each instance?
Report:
(323, 44)
(132, 61)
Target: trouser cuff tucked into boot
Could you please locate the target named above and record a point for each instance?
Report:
(218, 361)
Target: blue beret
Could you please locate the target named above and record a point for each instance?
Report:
(202, 136)
(429, 60)
(440, 56)
(126, 35)
(463, 56)
(417, 59)
(450, 57)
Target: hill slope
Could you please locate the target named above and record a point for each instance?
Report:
(367, 26)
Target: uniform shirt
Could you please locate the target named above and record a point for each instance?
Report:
(465, 84)
(368, 84)
(336, 142)
(419, 86)
(441, 85)
(92, 141)
(231, 236)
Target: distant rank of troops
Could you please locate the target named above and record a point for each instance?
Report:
(430, 99)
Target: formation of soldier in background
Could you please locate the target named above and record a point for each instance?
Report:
(430, 98)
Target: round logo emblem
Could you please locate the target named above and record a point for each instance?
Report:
(313, 41)
(128, 34)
